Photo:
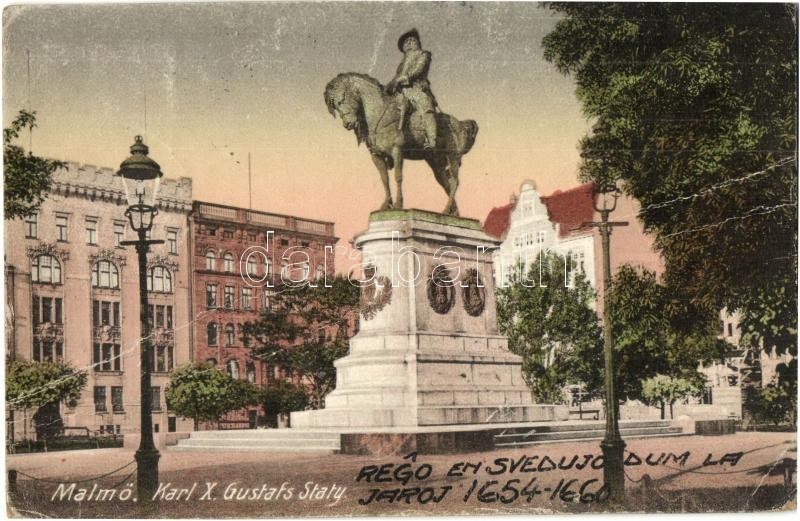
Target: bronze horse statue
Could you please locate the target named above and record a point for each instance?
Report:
(376, 117)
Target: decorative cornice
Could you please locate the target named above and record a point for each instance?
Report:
(46, 248)
(162, 260)
(108, 255)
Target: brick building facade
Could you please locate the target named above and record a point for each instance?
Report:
(235, 253)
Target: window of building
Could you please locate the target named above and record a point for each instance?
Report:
(251, 237)
(211, 230)
(211, 261)
(211, 295)
(251, 372)
(230, 335)
(47, 350)
(46, 268)
(267, 298)
(227, 262)
(227, 234)
(305, 271)
(106, 357)
(284, 242)
(105, 313)
(163, 358)
(233, 369)
(228, 294)
(247, 295)
(160, 316)
(155, 399)
(105, 275)
(320, 272)
(61, 228)
(211, 333)
(252, 265)
(730, 328)
(99, 399)
(119, 234)
(268, 268)
(159, 279)
(305, 244)
(91, 230)
(32, 226)
(47, 309)
(172, 242)
(116, 399)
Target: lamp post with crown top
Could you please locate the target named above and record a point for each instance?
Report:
(141, 177)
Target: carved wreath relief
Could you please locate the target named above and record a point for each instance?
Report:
(441, 293)
(473, 293)
(375, 295)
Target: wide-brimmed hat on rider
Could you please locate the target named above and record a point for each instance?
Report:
(405, 36)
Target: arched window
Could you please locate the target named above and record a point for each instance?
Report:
(320, 272)
(230, 335)
(211, 261)
(228, 262)
(211, 333)
(268, 267)
(46, 268)
(252, 265)
(305, 271)
(159, 279)
(233, 369)
(212, 361)
(105, 275)
(251, 372)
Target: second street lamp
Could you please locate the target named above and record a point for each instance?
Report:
(141, 177)
(613, 446)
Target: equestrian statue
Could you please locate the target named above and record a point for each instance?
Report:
(402, 121)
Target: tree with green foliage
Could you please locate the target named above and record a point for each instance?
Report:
(695, 111)
(204, 393)
(31, 385)
(282, 397)
(663, 390)
(552, 327)
(305, 329)
(26, 178)
(655, 333)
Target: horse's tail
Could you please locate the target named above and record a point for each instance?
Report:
(471, 129)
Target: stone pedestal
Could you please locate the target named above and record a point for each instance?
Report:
(428, 351)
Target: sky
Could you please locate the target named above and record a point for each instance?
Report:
(208, 84)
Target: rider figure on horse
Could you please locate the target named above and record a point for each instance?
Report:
(410, 83)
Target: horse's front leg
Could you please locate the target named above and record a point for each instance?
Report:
(383, 170)
(397, 158)
(452, 179)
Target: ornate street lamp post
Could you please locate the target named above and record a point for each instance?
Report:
(613, 446)
(141, 177)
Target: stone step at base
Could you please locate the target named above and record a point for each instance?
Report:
(565, 437)
(267, 434)
(534, 435)
(327, 443)
(310, 449)
(585, 425)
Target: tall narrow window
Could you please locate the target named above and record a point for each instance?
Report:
(251, 372)
(228, 297)
(32, 226)
(172, 242)
(116, 399)
(211, 295)
(99, 399)
(252, 265)
(91, 230)
(156, 398)
(211, 261)
(230, 335)
(228, 262)
(211, 333)
(61, 228)
(247, 295)
(233, 369)
(119, 234)
(169, 317)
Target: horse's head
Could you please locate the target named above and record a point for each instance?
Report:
(340, 100)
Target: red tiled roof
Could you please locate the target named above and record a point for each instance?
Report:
(497, 221)
(570, 208)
